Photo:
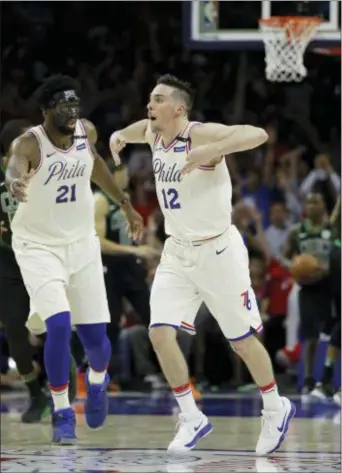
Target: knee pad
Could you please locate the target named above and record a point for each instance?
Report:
(92, 335)
(59, 325)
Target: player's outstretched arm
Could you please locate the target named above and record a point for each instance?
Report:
(210, 140)
(110, 247)
(101, 211)
(138, 132)
(23, 160)
(103, 178)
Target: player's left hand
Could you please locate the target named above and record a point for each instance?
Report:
(117, 143)
(197, 157)
(135, 222)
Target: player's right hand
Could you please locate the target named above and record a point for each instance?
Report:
(19, 186)
(117, 143)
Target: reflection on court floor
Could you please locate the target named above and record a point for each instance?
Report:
(141, 426)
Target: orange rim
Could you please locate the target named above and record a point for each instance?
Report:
(328, 51)
(293, 25)
(289, 21)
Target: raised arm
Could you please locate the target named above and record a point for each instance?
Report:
(222, 139)
(138, 132)
(210, 140)
(135, 133)
(23, 161)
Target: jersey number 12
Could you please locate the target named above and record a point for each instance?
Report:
(170, 198)
(66, 194)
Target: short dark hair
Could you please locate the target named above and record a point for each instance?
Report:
(183, 88)
(11, 131)
(52, 85)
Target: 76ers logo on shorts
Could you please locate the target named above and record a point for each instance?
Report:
(246, 301)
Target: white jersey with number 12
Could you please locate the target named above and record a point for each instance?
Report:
(198, 205)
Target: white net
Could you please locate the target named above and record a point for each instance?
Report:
(286, 39)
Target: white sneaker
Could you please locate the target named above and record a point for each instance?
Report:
(337, 397)
(319, 393)
(274, 426)
(191, 429)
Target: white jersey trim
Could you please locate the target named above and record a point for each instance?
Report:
(86, 139)
(173, 142)
(60, 150)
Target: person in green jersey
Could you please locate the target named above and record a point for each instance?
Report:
(125, 265)
(324, 388)
(313, 235)
(14, 300)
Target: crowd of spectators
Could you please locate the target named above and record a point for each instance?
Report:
(117, 53)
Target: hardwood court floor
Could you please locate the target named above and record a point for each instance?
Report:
(134, 440)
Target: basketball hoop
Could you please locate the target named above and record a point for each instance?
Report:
(286, 39)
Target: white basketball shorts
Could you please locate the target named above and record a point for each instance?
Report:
(63, 278)
(216, 273)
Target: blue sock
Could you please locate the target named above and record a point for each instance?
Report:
(57, 350)
(96, 345)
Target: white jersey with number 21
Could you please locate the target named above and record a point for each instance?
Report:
(60, 204)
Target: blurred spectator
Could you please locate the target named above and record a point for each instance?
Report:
(137, 369)
(323, 179)
(278, 285)
(124, 263)
(278, 231)
(248, 221)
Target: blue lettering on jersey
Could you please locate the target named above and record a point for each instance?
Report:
(81, 146)
(179, 149)
(165, 173)
(61, 171)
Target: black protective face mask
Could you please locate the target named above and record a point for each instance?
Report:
(65, 107)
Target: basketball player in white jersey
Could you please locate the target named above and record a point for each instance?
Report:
(204, 258)
(57, 249)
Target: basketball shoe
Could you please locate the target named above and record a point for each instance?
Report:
(191, 429)
(323, 392)
(96, 404)
(274, 426)
(63, 426)
(337, 397)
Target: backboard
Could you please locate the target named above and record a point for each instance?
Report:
(225, 24)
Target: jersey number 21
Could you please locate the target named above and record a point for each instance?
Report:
(66, 194)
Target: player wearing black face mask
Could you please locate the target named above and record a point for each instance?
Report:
(14, 300)
(60, 103)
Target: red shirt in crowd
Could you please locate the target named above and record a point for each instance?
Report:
(278, 286)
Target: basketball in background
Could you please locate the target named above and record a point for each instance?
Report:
(304, 266)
